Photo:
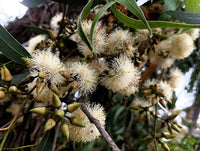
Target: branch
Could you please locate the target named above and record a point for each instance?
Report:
(100, 128)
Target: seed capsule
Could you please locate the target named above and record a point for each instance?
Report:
(2, 94)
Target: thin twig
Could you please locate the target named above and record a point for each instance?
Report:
(100, 128)
(11, 126)
(55, 136)
(155, 124)
(21, 147)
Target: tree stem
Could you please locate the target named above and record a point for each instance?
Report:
(100, 128)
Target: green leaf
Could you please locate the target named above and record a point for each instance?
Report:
(32, 3)
(192, 6)
(168, 5)
(97, 16)
(137, 24)
(190, 18)
(19, 77)
(82, 16)
(11, 48)
(47, 141)
(135, 9)
(37, 30)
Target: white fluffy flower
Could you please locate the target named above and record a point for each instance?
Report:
(175, 77)
(124, 78)
(116, 41)
(50, 63)
(194, 33)
(86, 77)
(167, 62)
(33, 42)
(178, 46)
(55, 21)
(99, 39)
(89, 132)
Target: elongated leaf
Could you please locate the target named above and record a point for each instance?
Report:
(190, 18)
(47, 141)
(32, 3)
(135, 9)
(83, 15)
(137, 24)
(96, 18)
(192, 6)
(11, 48)
(37, 30)
(19, 77)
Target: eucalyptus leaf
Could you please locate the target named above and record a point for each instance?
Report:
(11, 48)
(137, 24)
(192, 6)
(19, 77)
(32, 3)
(135, 9)
(47, 141)
(190, 18)
(97, 16)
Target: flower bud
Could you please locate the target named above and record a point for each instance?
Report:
(39, 86)
(40, 110)
(175, 127)
(165, 147)
(52, 34)
(178, 124)
(12, 89)
(154, 100)
(60, 113)
(169, 101)
(72, 107)
(170, 129)
(147, 91)
(167, 135)
(5, 74)
(162, 102)
(42, 74)
(49, 124)
(65, 130)
(174, 114)
(56, 101)
(76, 122)
(28, 62)
(66, 74)
(54, 88)
(2, 94)
(135, 107)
